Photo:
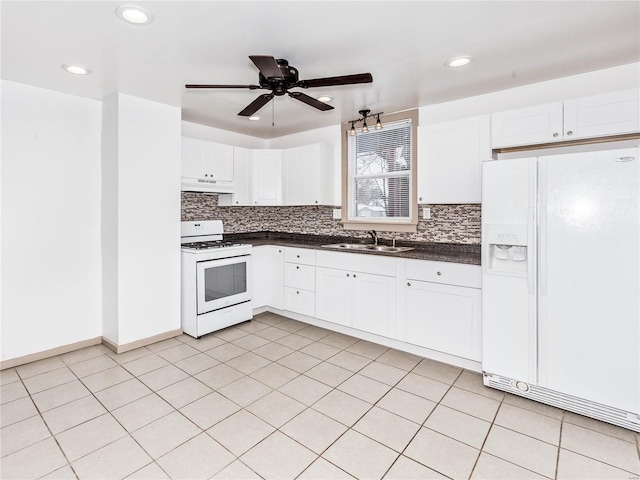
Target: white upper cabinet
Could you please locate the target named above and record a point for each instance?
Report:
(609, 114)
(241, 195)
(601, 115)
(203, 160)
(307, 175)
(527, 126)
(266, 177)
(450, 157)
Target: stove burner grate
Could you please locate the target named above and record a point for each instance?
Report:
(209, 244)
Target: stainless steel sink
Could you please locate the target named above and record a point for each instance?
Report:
(368, 247)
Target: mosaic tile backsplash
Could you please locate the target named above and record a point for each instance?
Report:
(448, 223)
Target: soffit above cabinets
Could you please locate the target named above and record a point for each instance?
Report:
(403, 44)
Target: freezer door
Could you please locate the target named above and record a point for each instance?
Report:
(589, 303)
(508, 269)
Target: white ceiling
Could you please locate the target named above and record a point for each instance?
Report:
(404, 45)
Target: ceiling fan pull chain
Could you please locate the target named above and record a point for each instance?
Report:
(273, 114)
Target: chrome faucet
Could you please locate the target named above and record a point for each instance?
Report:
(374, 235)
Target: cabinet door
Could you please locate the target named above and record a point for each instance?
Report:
(275, 277)
(241, 180)
(219, 162)
(333, 297)
(193, 158)
(444, 318)
(450, 160)
(608, 114)
(266, 173)
(374, 303)
(303, 175)
(527, 126)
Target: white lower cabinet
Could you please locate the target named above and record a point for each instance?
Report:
(300, 281)
(440, 307)
(374, 304)
(433, 305)
(443, 317)
(333, 300)
(362, 297)
(355, 299)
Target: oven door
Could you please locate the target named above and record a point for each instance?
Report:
(223, 282)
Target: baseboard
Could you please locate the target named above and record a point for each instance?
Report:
(52, 352)
(143, 342)
(468, 364)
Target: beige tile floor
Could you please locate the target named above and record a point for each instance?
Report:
(276, 398)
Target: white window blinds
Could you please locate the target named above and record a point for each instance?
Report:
(380, 164)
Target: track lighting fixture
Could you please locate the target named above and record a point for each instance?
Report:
(365, 128)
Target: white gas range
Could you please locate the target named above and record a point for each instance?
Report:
(216, 279)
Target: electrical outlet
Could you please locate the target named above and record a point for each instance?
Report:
(426, 213)
(337, 213)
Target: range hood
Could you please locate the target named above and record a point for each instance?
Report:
(206, 185)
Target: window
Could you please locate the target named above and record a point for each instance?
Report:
(379, 176)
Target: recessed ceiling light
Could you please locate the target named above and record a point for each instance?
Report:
(458, 61)
(255, 117)
(76, 69)
(325, 98)
(134, 14)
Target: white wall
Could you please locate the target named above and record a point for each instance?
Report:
(50, 214)
(144, 237)
(204, 132)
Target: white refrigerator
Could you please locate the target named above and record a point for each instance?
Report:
(561, 281)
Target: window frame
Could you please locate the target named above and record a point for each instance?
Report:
(388, 224)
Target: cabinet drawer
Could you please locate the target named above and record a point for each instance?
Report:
(300, 276)
(305, 256)
(300, 301)
(443, 272)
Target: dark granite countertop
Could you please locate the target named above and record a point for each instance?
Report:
(438, 252)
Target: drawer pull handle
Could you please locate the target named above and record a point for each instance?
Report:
(297, 256)
(297, 268)
(439, 273)
(354, 275)
(297, 293)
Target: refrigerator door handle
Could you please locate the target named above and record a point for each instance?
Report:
(531, 261)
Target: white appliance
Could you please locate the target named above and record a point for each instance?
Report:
(561, 281)
(216, 279)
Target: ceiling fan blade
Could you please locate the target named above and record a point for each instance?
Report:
(310, 101)
(250, 87)
(331, 81)
(256, 105)
(267, 65)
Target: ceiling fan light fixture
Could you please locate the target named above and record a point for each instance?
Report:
(134, 14)
(458, 61)
(325, 98)
(255, 118)
(76, 69)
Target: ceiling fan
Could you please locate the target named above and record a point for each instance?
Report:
(278, 76)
